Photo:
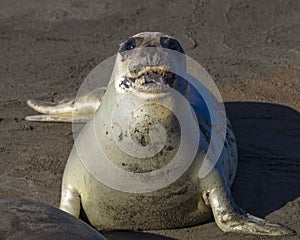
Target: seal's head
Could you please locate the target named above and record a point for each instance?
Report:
(149, 62)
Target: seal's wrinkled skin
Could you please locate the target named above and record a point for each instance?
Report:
(187, 201)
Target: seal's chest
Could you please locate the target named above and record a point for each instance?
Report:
(153, 118)
(152, 131)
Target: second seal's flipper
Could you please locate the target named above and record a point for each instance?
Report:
(79, 109)
(230, 218)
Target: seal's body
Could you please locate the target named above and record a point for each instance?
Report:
(177, 205)
(28, 219)
(146, 79)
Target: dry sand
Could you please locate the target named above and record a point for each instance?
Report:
(250, 48)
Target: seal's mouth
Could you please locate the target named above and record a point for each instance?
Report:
(149, 79)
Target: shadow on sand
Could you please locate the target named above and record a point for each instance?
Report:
(117, 235)
(268, 174)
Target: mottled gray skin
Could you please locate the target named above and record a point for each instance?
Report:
(187, 201)
(23, 219)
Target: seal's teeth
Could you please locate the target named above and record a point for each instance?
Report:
(148, 70)
(140, 81)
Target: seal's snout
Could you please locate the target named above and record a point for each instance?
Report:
(149, 79)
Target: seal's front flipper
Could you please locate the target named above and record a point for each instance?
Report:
(79, 109)
(230, 218)
(70, 200)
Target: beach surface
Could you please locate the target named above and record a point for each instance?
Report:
(250, 48)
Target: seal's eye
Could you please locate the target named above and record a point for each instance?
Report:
(173, 45)
(130, 45)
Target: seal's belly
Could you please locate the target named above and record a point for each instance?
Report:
(175, 206)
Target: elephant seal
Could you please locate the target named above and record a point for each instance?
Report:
(144, 78)
(31, 220)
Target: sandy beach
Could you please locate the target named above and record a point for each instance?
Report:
(250, 48)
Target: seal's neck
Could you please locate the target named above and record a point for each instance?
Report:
(143, 130)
